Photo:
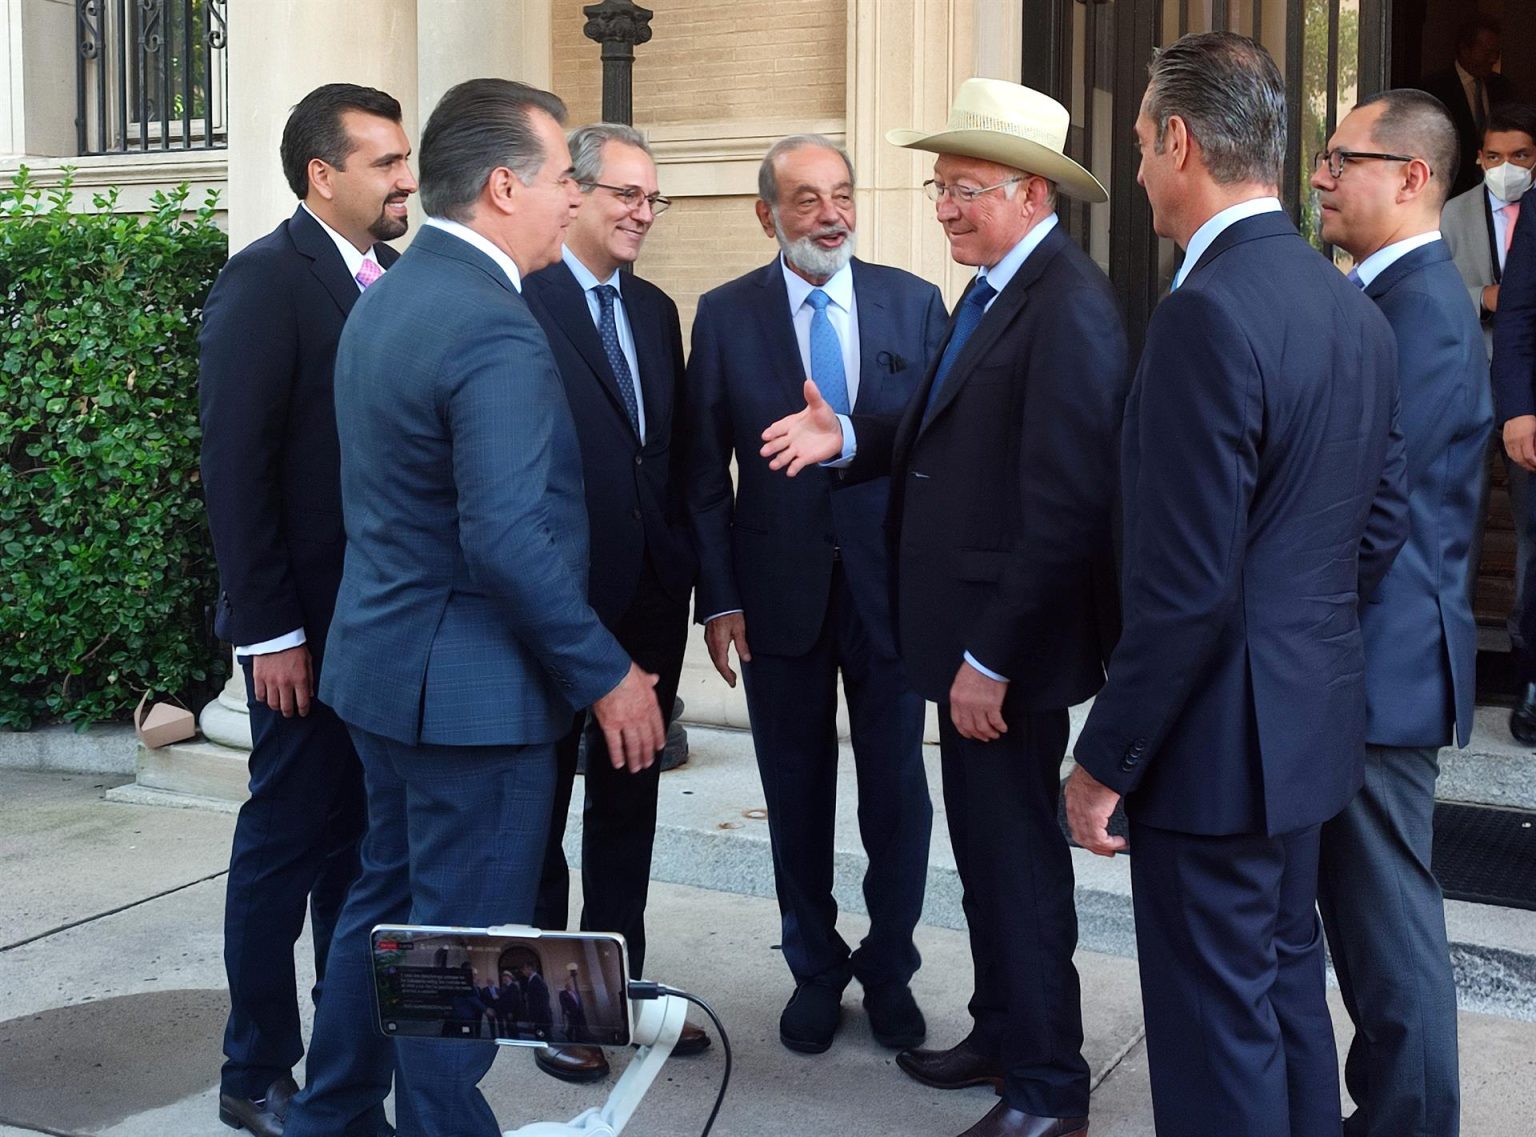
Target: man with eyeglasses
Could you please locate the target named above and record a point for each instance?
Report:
(1381, 905)
(799, 571)
(1003, 484)
(619, 347)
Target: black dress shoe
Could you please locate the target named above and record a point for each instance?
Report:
(894, 1018)
(810, 1018)
(1005, 1121)
(960, 1066)
(572, 1063)
(1522, 720)
(692, 1041)
(263, 1116)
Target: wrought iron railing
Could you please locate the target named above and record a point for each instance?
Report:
(151, 75)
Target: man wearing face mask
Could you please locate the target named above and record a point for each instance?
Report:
(1478, 227)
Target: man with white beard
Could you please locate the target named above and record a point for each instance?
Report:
(798, 568)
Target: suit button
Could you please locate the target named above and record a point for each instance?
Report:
(635, 513)
(639, 460)
(1138, 747)
(1127, 765)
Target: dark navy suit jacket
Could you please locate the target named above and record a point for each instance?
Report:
(768, 548)
(1514, 331)
(270, 464)
(1002, 498)
(1420, 636)
(634, 492)
(462, 617)
(1263, 485)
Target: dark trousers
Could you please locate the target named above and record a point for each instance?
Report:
(295, 847)
(1231, 953)
(792, 701)
(1016, 871)
(455, 834)
(1385, 919)
(618, 818)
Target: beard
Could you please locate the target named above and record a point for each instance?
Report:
(809, 257)
(388, 227)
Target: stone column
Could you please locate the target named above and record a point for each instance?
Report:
(38, 48)
(280, 50)
(470, 39)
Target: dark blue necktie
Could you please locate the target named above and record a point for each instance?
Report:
(969, 316)
(1354, 278)
(608, 332)
(827, 354)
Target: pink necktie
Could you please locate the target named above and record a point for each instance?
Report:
(1511, 215)
(369, 273)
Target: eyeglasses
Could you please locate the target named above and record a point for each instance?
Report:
(1336, 158)
(632, 196)
(937, 190)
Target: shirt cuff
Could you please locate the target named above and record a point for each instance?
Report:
(850, 445)
(727, 612)
(985, 670)
(293, 639)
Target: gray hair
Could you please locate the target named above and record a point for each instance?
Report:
(767, 177)
(1229, 93)
(587, 142)
(1416, 123)
(478, 126)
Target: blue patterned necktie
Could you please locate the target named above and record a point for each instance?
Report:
(608, 332)
(969, 316)
(827, 354)
(1354, 278)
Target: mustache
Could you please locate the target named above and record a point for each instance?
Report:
(832, 231)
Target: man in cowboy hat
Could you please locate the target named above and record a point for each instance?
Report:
(1002, 486)
(1263, 495)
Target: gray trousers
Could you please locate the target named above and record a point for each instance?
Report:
(1385, 921)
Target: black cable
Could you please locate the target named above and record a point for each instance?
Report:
(643, 989)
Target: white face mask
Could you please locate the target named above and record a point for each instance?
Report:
(1507, 181)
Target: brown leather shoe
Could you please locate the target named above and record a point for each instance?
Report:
(953, 1069)
(572, 1063)
(1004, 1121)
(692, 1041)
(261, 1117)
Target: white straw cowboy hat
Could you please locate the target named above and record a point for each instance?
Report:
(1003, 122)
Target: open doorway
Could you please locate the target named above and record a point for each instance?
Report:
(1425, 37)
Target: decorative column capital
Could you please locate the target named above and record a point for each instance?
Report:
(617, 22)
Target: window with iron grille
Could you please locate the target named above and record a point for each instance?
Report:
(151, 75)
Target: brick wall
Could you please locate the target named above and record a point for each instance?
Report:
(714, 62)
(701, 242)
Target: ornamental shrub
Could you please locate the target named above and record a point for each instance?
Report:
(106, 568)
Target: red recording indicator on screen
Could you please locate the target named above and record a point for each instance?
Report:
(387, 945)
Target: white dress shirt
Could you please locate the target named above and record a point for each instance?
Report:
(1469, 88)
(843, 313)
(1384, 258)
(588, 281)
(469, 236)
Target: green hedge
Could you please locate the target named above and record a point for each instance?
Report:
(106, 569)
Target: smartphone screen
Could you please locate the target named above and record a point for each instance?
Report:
(546, 989)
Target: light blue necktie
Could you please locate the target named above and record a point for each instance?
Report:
(971, 311)
(608, 332)
(827, 355)
(1354, 278)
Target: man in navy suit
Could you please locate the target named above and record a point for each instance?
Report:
(1002, 488)
(272, 482)
(462, 642)
(799, 571)
(1381, 905)
(1262, 478)
(619, 346)
(1471, 89)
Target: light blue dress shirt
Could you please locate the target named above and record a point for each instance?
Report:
(588, 281)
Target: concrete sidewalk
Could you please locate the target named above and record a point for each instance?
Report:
(111, 994)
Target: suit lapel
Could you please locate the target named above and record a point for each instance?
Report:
(1405, 266)
(325, 259)
(776, 327)
(1270, 224)
(875, 330)
(650, 353)
(569, 310)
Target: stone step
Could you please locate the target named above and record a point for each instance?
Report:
(1494, 769)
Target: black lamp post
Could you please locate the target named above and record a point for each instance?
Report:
(619, 25)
